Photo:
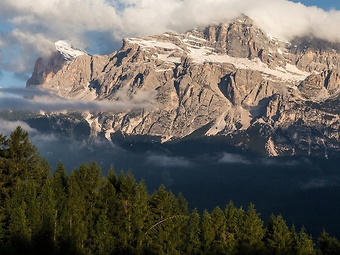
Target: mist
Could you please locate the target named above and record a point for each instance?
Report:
(7, 127)
(35, 100)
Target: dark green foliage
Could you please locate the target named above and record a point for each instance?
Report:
(208, 232)
(328, 245)
(251, 233)
(86, 213)
(19, 162)
(277, 238)
(193, 239)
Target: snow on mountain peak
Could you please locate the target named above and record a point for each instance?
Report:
(67, 50)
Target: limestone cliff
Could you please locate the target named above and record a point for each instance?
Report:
(231, 79)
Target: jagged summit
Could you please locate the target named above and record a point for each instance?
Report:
(230, 79)
(67, 50)
(46, 68)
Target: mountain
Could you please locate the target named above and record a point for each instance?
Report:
(230, 80)
(46, 68)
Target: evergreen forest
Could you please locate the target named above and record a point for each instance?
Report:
(45, 212)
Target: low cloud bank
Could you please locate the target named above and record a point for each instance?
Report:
(320, 183)
(229, 158)
(12, 99)
(166, 161)
(7, 127)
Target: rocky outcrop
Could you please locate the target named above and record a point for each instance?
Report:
(45, 69)
(230, 79)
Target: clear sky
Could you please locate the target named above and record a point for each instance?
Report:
(29, 28)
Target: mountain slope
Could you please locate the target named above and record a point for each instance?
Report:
(231, 79)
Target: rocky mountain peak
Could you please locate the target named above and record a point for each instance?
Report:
(68, 51)
(45, 68)
(231, 79)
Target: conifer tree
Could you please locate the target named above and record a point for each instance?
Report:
(18, 227)
(166, 222)
(220, 228)
(328, 245)
(59, 185)
(103, 231)
(251, 233)
(112, 177)
(19, 161)
(126, 185)
(277, 238)
(305, 243)
(44, 239)
(140, 217)
(233, 217)
(193, 244)
(103, 240)
(208, 232)
(76, 227)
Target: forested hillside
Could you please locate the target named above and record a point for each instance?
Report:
(88, 213)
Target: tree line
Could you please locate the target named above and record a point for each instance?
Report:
(88, 213)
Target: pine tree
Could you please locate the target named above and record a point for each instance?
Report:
(126, 186)
(112, 177)
(165, 222)
(44, 238)
(208, 232)
(277, 238)
(102, 232)
(140, 215)
(59, 185)
(103, 240)
(20, 233)
(182, 205)
(305, 243)
(219, 224)
(20, 161)
(251, 233)
(328, 245)
(19, 229)
(233, 217)
(76, 226)
(193, 244)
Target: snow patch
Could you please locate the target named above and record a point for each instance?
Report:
(67, 50)
(291, 73)
(154, 44)
(199, 53)
(167, 58)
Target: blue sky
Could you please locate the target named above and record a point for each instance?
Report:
(29, 28)
(324, 4)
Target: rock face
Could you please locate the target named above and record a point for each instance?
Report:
(231, 79)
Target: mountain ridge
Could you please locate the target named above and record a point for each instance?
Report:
(232, 78)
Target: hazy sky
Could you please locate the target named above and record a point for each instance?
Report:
(29, 28)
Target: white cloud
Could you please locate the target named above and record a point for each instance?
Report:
(166, 161)
(7, 127)
(60, 105)
(12, 99)
(320, 183)
(37, 24)
(229, 158)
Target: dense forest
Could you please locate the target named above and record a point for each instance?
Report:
(87, 213)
